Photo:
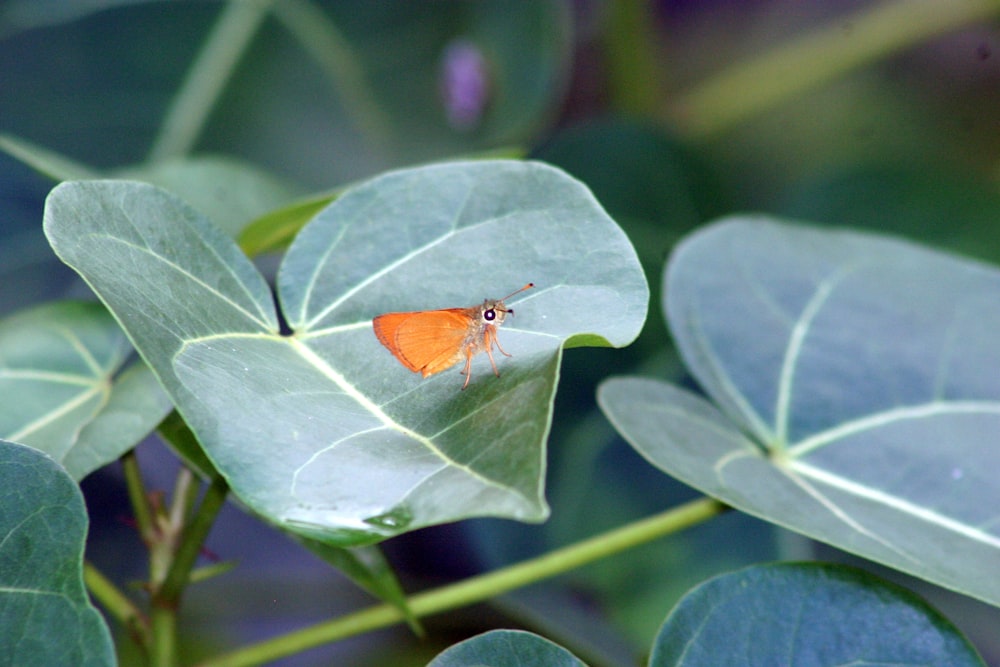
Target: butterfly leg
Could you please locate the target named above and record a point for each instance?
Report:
(489, 353)
(496, 341)
(467, 371)
(491, 340)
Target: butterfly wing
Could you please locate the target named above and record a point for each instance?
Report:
(426, 342)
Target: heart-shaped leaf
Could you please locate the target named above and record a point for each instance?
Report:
(807, 614)
(63, 395)
(323, 431)
(857, 392)
(45, 616)
(506, 648)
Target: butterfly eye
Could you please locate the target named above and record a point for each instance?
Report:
(489, 315)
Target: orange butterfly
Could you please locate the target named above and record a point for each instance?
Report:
(430, 341)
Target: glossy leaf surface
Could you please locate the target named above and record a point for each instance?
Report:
(853, 388)
(64, 392)
(506, 648)
(45, 615)
(809, 615)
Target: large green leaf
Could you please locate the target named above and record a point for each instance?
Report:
(323, 431)
(63, 393)
(45, 616)
(506, 648)
(808, 615)
(228, 191)
(857, 393)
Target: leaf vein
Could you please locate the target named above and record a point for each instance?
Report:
(886, 417)
(917, 511)
(259, 317)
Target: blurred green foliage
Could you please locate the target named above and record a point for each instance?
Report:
(672, 112)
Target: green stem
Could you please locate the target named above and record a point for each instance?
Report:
(179, 560)
(755, 85)
(183, 499)
(137, 496)
(477, 588)
(191, 542)
(163, 649)
(633, 62)
(223, 48)
(117, 604)
(321, 39)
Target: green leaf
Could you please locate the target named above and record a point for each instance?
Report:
(323, 431)
(657, 187)
(275, 229)
(506, 648)
(19, 16)
(178, 436)
(929, 203)
(856, 398)
(810, 615)
(45, 616)
(230, 192)
(59, 366)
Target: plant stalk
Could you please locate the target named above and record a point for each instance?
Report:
(191, 543)
(755, 85)
(479, 588)
(182, 540)
(163, 648)
(331, 50)
(141, 511)
(117, 604)
(201, 89)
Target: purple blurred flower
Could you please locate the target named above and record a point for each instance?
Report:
(465, 84)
